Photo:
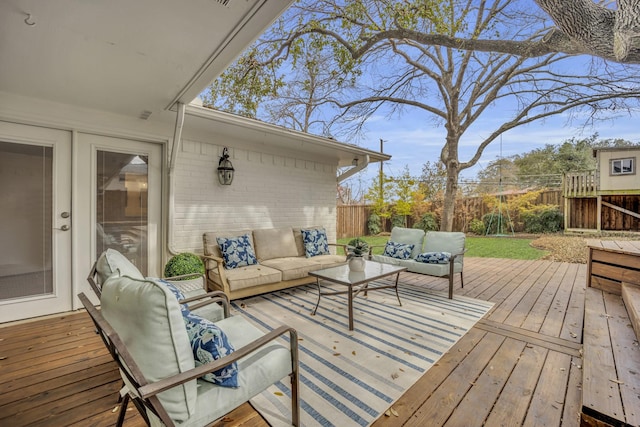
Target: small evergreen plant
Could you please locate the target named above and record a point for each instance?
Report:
(356, 248)
(184, 263)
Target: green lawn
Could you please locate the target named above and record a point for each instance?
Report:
(487, 247)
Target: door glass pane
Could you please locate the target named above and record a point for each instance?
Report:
(26, 218)
(121, 222)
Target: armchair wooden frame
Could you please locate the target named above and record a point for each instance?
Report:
(144, 394)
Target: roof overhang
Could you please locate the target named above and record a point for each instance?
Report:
(134, 58)
(279, 138)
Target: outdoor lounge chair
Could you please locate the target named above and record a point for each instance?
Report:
(436, 253)
(213, 306)
(141, 323)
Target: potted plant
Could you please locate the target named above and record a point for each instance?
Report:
(185, 265)
(356, 249)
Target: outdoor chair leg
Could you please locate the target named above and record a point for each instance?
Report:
(123, 410)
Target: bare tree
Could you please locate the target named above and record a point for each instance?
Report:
(458, 62)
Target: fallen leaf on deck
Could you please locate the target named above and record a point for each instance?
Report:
(617, 381)
(278, 393)
(114, 409)
(353, 352)
(394, 412)
(336, 354)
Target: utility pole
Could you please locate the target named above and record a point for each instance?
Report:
(381, 173)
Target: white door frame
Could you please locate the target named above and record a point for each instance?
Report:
(61, 298)
(87, 145)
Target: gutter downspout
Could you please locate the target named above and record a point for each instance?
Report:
(360, 165)
(175, 148)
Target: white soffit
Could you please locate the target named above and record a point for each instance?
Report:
(124, 56)
(286, 141)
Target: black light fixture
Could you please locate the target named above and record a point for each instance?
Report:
(225, 168)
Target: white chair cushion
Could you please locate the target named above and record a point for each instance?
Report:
(256, 372)
(148, 319)
(438, 270)
(445, 241)
(112, 261)
(409, 236)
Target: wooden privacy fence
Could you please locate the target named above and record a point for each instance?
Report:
(352, 219)
(475, 207)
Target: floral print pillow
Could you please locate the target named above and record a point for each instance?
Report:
(237, 251)
(397, 250)
(434, 257)
(210, 343)
(315, 242)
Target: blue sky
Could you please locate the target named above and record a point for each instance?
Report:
(412, 139)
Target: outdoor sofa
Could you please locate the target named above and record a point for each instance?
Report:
(435, 253)
(251, 262)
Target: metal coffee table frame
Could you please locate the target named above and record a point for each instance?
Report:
(356, 282)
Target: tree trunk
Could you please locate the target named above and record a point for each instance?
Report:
(450, 192)
(449, 157)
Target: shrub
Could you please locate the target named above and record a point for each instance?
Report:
(184, 263)
(374, 224)
(428, 222)
(476, 226)
(398, 221)
(542, 219)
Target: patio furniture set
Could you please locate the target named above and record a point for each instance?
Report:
(201, 354)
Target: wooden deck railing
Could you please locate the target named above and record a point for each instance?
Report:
(580, 184)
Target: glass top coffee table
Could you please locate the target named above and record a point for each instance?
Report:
(356, 282)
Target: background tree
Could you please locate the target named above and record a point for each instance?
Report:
(414, 54)
(403, 189)
(543, 167)
(498, 175)
(539, 166)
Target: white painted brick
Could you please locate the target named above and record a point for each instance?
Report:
(268, 191)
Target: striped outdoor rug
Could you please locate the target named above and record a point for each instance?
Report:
(350, 378)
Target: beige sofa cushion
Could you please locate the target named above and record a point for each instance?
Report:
(247, 277)
(299, 267)
(274, 243)
(293, 267)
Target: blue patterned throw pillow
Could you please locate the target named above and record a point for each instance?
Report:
(397, 250)
(237, 251)
(315, 242)
(210, 343)
(434, 257)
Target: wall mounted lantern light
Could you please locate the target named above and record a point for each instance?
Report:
(225, 168)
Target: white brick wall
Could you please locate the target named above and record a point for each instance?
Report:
(268, 190)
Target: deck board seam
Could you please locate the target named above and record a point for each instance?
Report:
(550, 343)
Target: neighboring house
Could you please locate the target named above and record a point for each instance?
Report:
(607, 199)
(101, 145)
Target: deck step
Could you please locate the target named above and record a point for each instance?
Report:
(611, 362)
(631, 298)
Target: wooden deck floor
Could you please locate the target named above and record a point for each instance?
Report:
(520, 365)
